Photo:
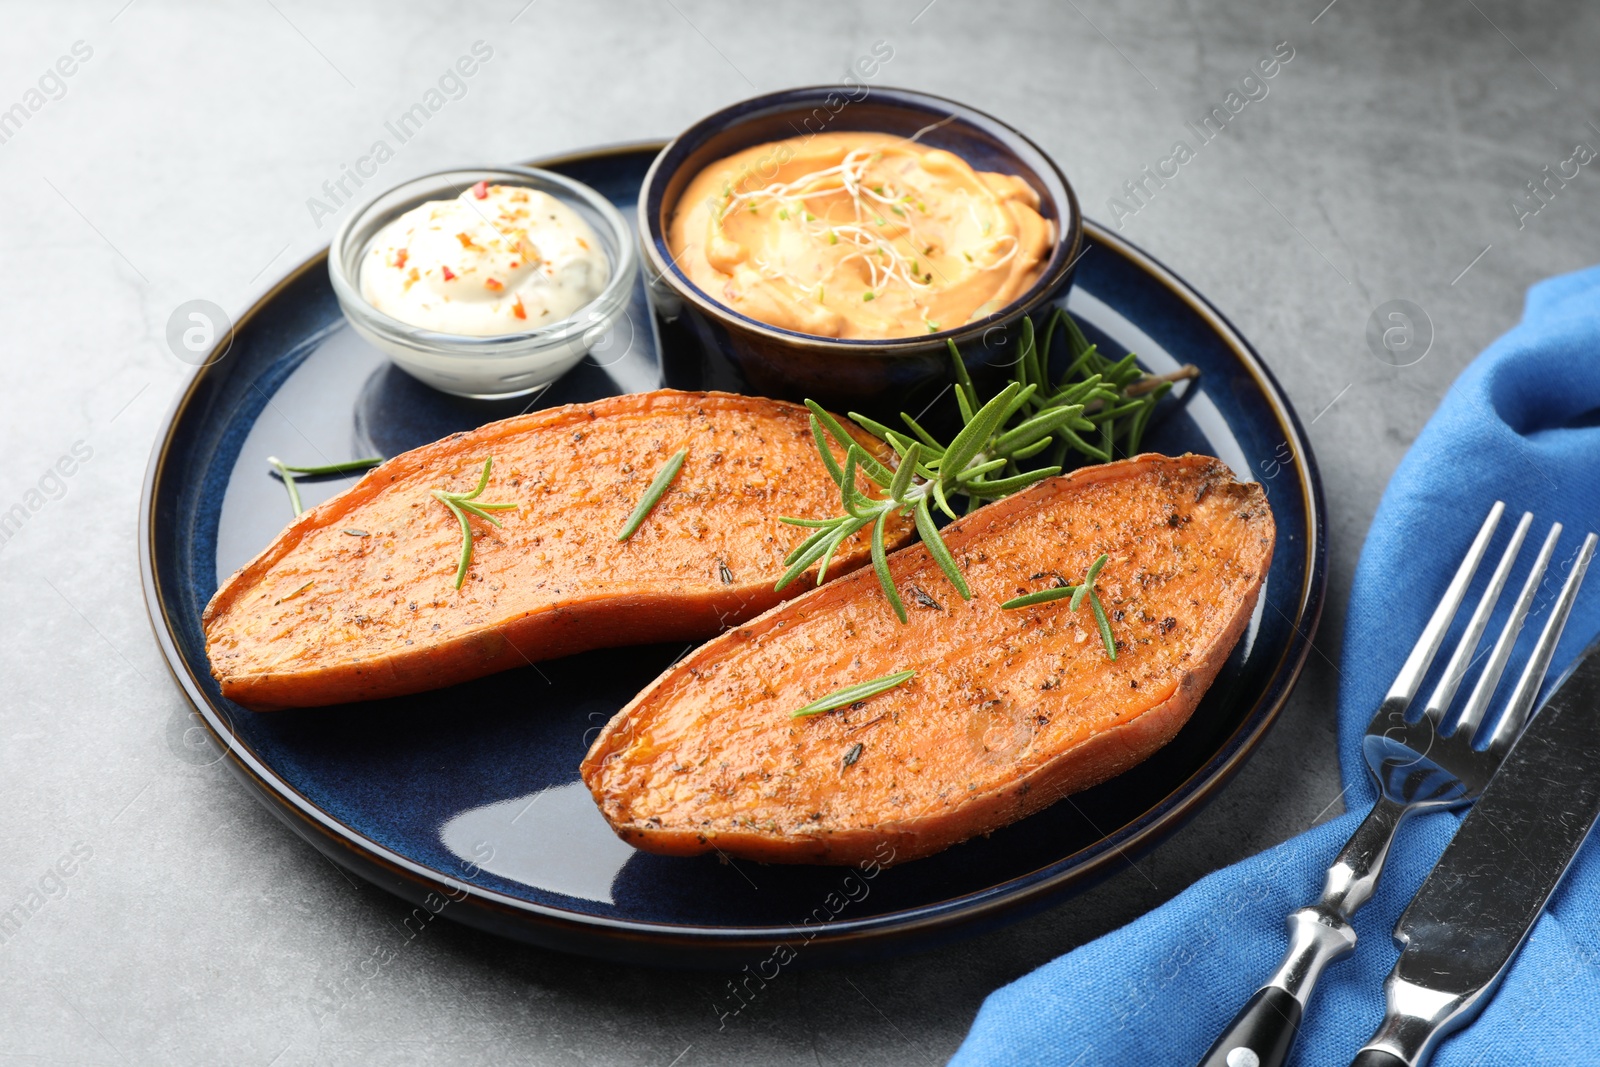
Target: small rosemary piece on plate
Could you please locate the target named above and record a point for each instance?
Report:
(652, 495)
(287, 471)
(462, 503)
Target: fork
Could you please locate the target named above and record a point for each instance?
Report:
(1418, 766)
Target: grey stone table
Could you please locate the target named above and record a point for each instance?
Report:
(1388, 159)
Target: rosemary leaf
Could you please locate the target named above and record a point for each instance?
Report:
(1006, 486)
(1042, 425)
(1047, 337)
(975, 471)
(1025, 369)
(853, 500)
(969, 442)
(1018, 402)
(1142, 419)
(1076, 341)
(461, 503)
(1081, 392)
(870, 466)
(466, 536)
(1071, 436)
(1042, 596)
(826, 453)
(966, 393)
(482, 510)
(287, 471)
(939, 550)
(804, 548)
(1078, 593)
(652, 495)
(845, 530)
(902, 444)
(802, 562)
(939, 497)
(1083, 359)
(872, 426)
(927, 439)
(347, 467)
(902, 477)
(1104, 624)
(483, 480)
(850, 694)
(880, 563)
(288, 483)
(1088, 582)
(1029, 451)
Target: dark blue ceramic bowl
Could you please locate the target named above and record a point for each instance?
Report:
(714, 347)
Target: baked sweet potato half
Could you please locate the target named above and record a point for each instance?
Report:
(357, 598)
(1008, 709)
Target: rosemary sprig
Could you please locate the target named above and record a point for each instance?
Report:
(1098, 407)
(462, 503)
(288, 483)
(1078, 593)
(349, 466)
(287, 471)
(851, 693)
(653, 495)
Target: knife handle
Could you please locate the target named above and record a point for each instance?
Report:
(1261, 1034)
(1417, 1018)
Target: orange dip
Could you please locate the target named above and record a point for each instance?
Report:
(858, 235)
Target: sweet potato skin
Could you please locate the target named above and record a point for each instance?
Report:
(1009, 710)
(381, 617)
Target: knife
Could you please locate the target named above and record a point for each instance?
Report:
(1474, 911)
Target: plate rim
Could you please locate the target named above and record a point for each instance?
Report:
(658, 942)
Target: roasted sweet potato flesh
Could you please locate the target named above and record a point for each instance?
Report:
(356, 598)
(1008, 711)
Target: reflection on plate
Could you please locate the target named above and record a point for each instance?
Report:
(554, 840)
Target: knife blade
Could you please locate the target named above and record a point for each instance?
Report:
(1476, 908)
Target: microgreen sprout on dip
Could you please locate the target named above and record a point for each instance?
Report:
(498, 259)
(859, 235)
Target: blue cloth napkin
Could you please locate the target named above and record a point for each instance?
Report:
(1521, 424)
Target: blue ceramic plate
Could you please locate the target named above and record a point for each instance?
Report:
(467, 801)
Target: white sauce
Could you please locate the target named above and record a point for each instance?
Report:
(497, 259)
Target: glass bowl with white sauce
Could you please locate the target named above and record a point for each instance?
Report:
(485, 282)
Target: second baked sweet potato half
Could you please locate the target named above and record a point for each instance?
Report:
(997, 713)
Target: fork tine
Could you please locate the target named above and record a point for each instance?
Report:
(1416, 665)
(1472, 716)
(1521, 703)
(1461, 657)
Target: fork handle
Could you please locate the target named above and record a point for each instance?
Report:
(1354, 874)
(1263, 1032)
